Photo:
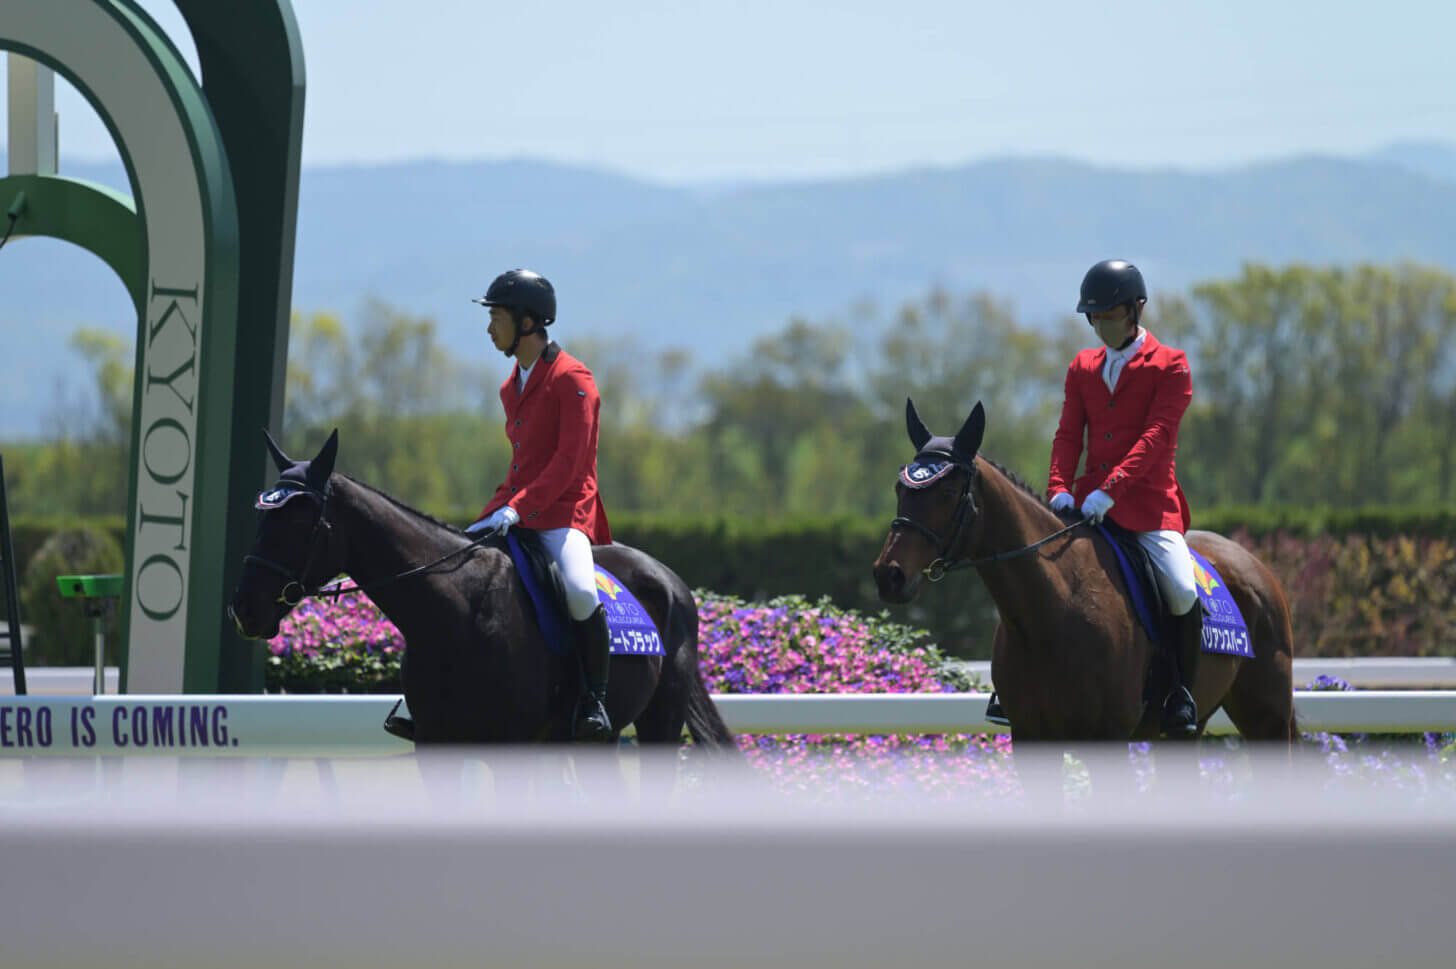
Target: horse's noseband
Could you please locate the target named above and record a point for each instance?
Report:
(924, 471)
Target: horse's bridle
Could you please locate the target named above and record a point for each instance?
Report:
(295, 580)
(966, 510)
(292, 579)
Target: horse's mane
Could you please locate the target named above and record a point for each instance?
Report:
(1017, 480)
(402, 506)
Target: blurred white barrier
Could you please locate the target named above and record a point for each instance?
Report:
(384, 879)
(304, 726)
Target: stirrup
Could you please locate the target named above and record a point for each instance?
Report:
(994, 713)
(401, 727)
(1179, 719)
(591, 723)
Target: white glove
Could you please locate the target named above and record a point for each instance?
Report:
(498, 521)
(1096, 506)
(1062, 500)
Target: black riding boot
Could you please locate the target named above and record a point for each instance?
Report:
(1180, 714)
(591, 721)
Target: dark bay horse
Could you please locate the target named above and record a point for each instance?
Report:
(1070, 657)
(476, 668)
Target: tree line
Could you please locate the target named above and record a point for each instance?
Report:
(1328, 386)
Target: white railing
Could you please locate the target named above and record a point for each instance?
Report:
(1366, 673)
(1363, 672)
(306, 726)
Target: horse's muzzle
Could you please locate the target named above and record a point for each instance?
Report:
(242, 627)
(238, 623)
(893, 585)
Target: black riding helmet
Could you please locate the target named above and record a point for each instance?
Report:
(1110, 283)
(524, 293)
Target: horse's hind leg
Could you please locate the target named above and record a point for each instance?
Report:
(1261, 700)
(659, 742)
(1261, 706)
(1262, 711)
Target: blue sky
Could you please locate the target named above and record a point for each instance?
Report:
(686, 91)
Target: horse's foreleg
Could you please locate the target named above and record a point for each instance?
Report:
(1177, 768)
(1111, 771)
(1039, 768)
(441, 772)
(599, 773)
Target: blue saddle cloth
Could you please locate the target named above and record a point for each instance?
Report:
(630, 628)
(1224, 629)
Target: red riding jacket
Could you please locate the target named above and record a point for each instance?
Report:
(552, 427)
(1132, 434)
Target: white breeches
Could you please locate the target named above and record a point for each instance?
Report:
(1174, 565)
(573, 554)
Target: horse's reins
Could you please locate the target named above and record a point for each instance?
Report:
(937, 569)
(357, 587)
(295, 580)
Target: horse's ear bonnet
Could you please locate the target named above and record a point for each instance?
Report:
(299, 477)
(936, 457)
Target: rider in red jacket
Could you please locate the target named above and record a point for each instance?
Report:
(552, 412)
(1127, 397)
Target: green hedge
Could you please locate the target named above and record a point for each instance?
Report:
(759, 560)
(1379, 521)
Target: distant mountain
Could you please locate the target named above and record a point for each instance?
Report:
(713, 268)
(1431, 158)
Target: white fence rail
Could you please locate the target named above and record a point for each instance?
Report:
(307, 726)
(1366, 673)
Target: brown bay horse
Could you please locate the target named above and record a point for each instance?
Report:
(1070, 657)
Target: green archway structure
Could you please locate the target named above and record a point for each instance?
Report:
(205, 248)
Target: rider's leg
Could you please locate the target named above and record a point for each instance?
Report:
(572, 551)
(1174, 566)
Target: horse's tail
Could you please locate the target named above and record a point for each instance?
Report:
(704, 721)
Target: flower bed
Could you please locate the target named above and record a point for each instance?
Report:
(336, 645)
(790, 645)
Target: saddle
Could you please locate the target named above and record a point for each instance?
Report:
(630, 628)
(542, 578)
